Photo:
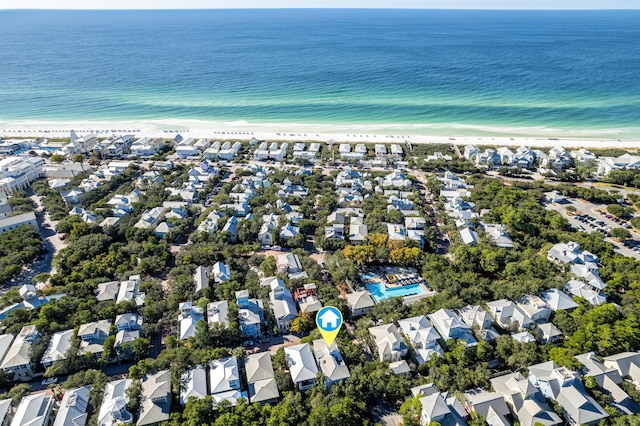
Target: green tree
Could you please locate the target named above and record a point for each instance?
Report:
(198, 412)
(268, 267)
(616, 210)
(108, 349)
(78, 158)
(620, 233)
(411, 410)
(303, 323)
(57, 158)
(564, 358)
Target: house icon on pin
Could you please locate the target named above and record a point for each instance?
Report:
(329, 320)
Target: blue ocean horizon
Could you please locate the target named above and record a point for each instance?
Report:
(440, 72)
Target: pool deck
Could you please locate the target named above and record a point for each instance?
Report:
(379, 277)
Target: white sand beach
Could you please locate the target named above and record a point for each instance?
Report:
(240, 130)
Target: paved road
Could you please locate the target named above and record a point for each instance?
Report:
(51, 242)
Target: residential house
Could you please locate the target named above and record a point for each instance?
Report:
(302, 366)
(580, 289)
(422, 336)
(189, 316)
(130, 291)
(261, 378)
(250, 314)
(470, 152)
(288, 231)
(477, 316)
(269, 224)
(74, 408)
(523, 337)
(123, 341)
(359, 302)
(93, 335)
(129, 322)
(201, 278)
(450, 326)
(224, 380)
(193, 384)
(58, 346)
(156, 398)
(624, 162)
(211, 224)
(151, 218)
(17, 360)
(627, 364)
(565, 388)
(5, 344)
(5, 411)
(499, 236)
(108, 291)
(490, 405)
(558, 300)
(307, 298)
(218, 312)
(34, 410)
(468, 236)
(525, 400)
(358, 231)
(390, 345)
(509, 316)
(583, 156)
(535, 308)
(221, 272)
(284, 308)
(13, 222)
(507, 156)
(570, 253)
(330, 362)
(549, 333)
(442, 409)
(113, 410)
(289, 262)
(608, 380)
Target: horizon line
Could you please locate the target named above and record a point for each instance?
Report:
(325, 8)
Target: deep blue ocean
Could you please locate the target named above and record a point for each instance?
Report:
(463, 72)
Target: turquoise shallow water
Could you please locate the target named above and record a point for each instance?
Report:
(379, 292)
(428, 72)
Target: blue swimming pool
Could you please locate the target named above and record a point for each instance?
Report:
(379, 292)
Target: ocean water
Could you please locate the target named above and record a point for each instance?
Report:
(424, 71)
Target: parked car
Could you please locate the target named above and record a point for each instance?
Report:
(50, 380)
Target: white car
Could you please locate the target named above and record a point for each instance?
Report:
(49, 381)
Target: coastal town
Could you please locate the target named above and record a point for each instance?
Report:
(175, 280)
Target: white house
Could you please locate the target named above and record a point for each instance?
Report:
(390, 345)
(189, 316)
(17, 360)
(193, 384)
(261, 378)
(330, 362)
(113, 410)
(201, 278)
(422, 336)
(34, 410)
(359, 302)
(74, 408)
(284, 308)
(155, 404)
(302, 366)
(221, 272)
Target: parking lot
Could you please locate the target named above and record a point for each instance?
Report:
(590, 217)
